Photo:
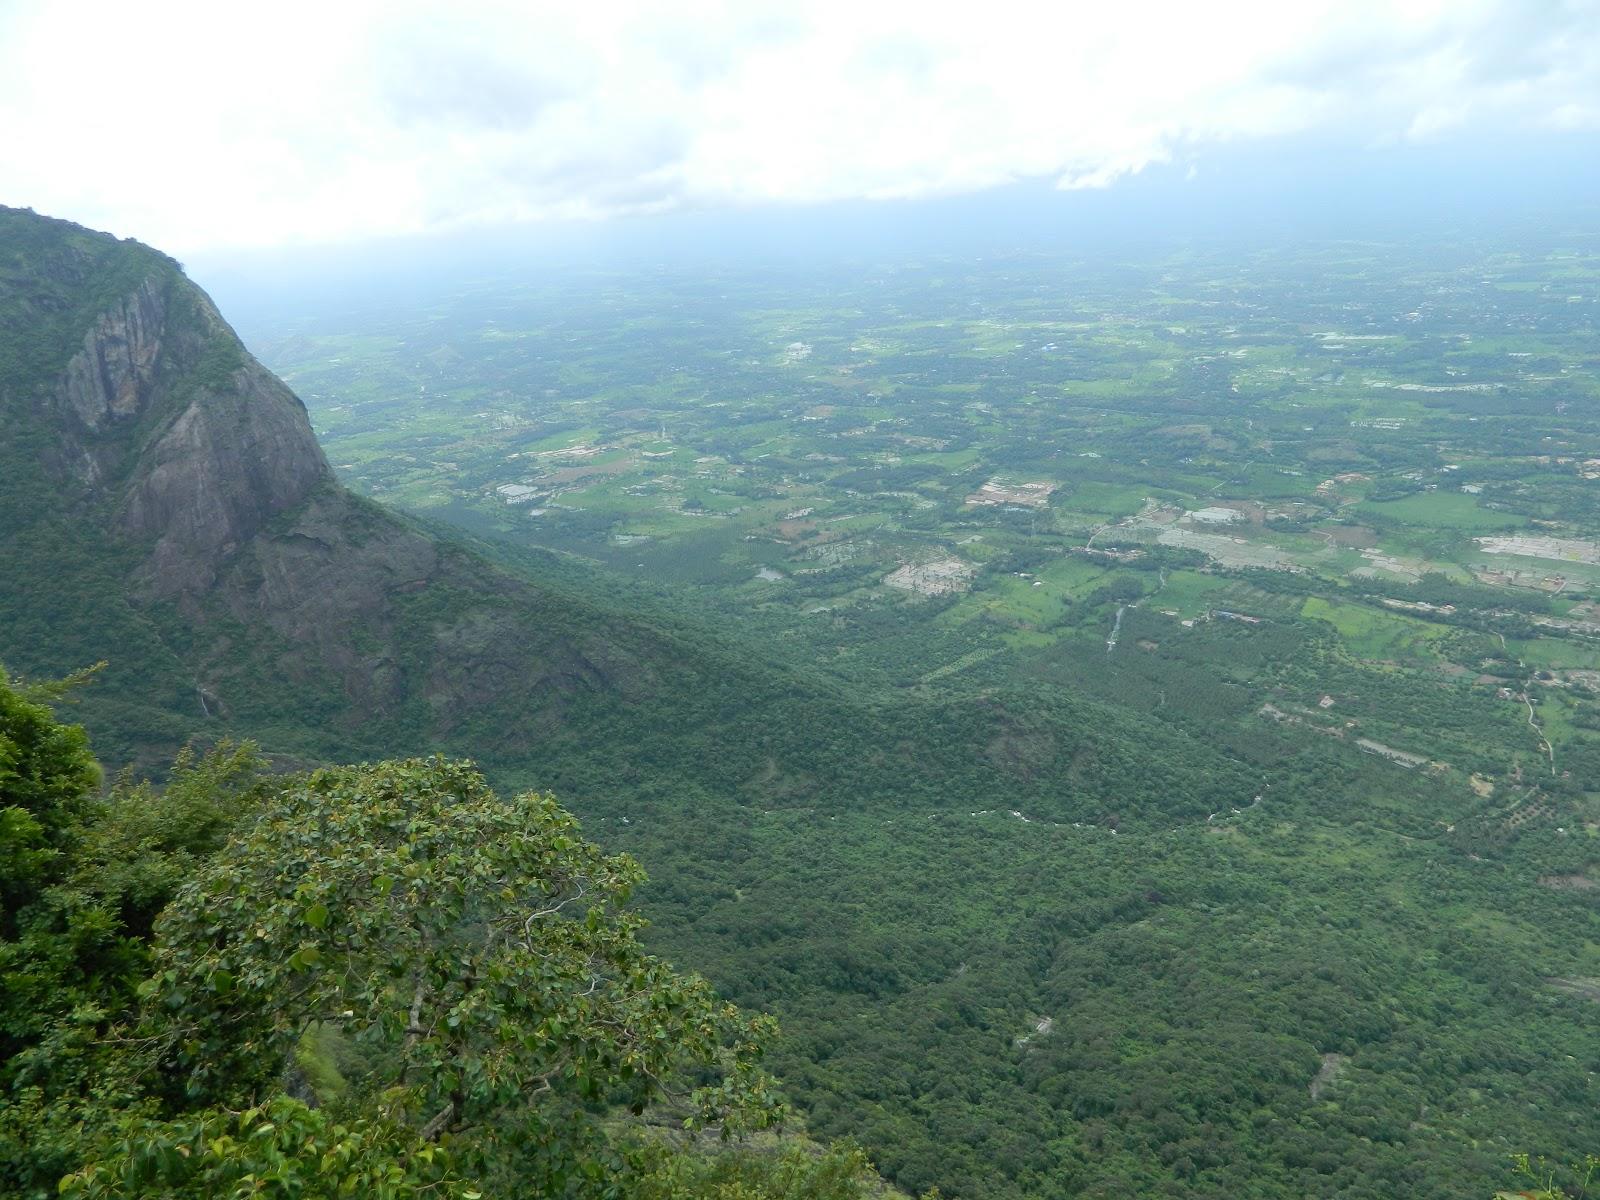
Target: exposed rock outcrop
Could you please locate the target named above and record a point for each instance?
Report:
(196, 445)
(202, 465)
(111, 378)
(211, 477)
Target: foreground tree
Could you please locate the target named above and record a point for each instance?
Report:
(47, 784)
(1540, 1179)
(407, 945)
(282, 1149)
(82, 874)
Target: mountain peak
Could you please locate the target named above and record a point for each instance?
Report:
(176, 516)
(164, 414)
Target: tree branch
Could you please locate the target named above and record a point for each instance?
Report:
(440, 1122)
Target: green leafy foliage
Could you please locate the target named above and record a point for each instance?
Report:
(46, 777)
(389, 982)
(84, 875)
(283, 1150)
(146, 841)
(470, 951)
(1544, 1180)
(796, 1172)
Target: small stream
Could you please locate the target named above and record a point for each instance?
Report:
(1116, 628)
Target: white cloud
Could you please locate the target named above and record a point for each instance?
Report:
(194, 125)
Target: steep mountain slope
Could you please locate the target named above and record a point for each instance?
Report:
(167, 509)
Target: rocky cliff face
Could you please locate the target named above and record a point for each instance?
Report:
(197, 445)
(202, 466)
(111, 378)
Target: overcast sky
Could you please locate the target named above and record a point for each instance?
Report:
(209, 125)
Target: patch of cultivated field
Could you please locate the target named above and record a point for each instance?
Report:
(1371, 633)
(1440, 510)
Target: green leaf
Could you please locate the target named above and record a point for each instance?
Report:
(306, 956)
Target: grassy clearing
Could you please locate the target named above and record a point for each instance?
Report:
(1557, 654)
(1440, 510)
(1189, 593)
(1018, 600)
(1107, 500)
(1374, 634)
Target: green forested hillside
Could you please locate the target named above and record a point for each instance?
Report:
(1045, 925)
(1275, 1005)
